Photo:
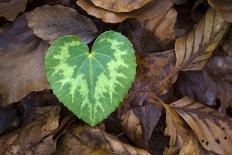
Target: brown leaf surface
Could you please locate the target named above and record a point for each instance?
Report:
(162, 26)
(182, 139)
(35, 137)
(146, 12)
(224, 7)
(140, 122)
(211, 85)
(90, 141)
(194, 50)
(22, 62)
(213, 129)
(50, 22)
(120, 5)
(10, 8)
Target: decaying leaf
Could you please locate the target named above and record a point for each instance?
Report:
(224, 7)
(212, 84)
(146, 12)
(51, 22)
(162, 26)
(194, 50)
(120, 5)
(22, 62)
(213, 129)
(86, 140)
(35, 137)
(182, 139)
(140, 122)
(10, 8)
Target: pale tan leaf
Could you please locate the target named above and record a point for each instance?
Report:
(162, 26)
(50, 22)
(213, 129)
(120, 5)
(224, 7)
(146, 12)
(10, 8)
(22, 62)
(85, 140)
(35, 137)
(194, 50)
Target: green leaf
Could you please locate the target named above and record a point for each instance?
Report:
(91, 84)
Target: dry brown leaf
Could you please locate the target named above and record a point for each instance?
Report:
(35, 137)
(120, 5)
(162, 26)
(22, 62)
(50, 22)
(86, 140)
(146, 12)
(194, 50)
(182, 139)
(140, 122)
(224, 7)
(10, 8)
(213, 129)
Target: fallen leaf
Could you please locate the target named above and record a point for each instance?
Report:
(10, 8)
(86, 140)
(182, 139)
(22, 62)
(120, 5)
(213, 129)
(162, 26)
(51, 22)
(140, 122)
(227, 44)
(146, 12)
(224, 7)
(194, 50)
(35, 137)
(212, 84)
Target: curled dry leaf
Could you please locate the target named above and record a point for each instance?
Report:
(86, 140)
(194, 50)
(224, 7)
(146, 12)
(35, 137)
(51, 22)
(213, 129)
(182, 139)
(10, 8)
(22, 62)
(120, 5)
(162, 26)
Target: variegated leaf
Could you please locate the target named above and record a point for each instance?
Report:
(91, 85)
(194, 50)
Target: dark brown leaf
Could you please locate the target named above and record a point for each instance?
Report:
(35, 137)
(90, 141)
(50, 22)
(10, 8)
(22, 62)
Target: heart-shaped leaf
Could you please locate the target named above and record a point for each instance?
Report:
(91, 84)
